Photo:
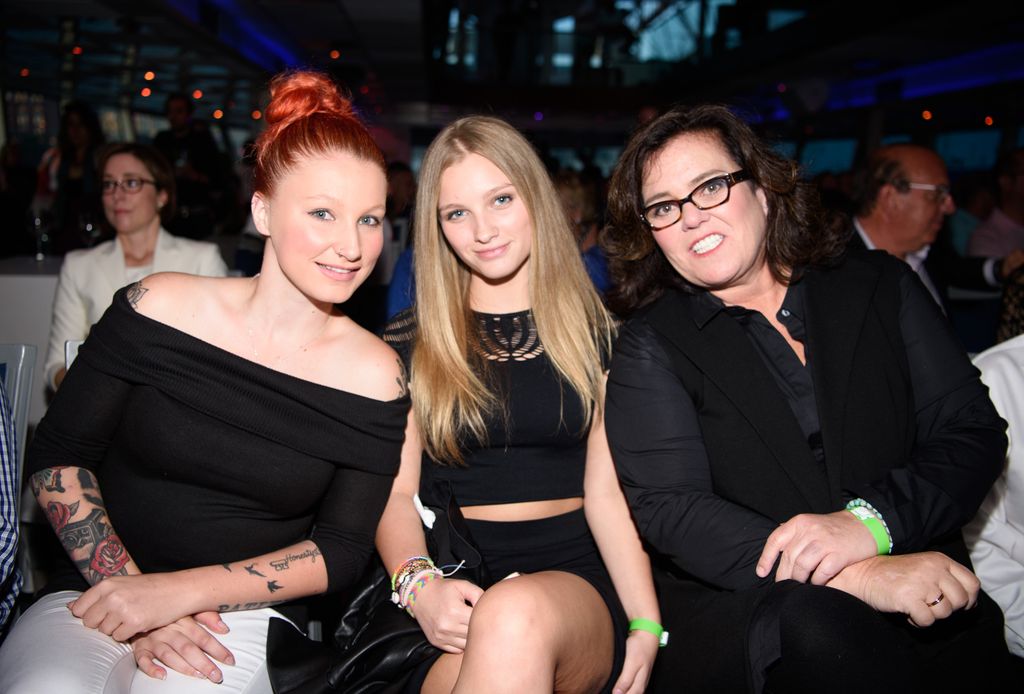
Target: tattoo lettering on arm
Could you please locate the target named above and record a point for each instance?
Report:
(402, 379)
(105, 554)
(134, 294)
(283, 564)
(247, 606)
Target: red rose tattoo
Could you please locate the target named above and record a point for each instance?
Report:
(59, 514)
(109, 557)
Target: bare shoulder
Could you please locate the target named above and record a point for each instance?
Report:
(365, 365)
(174, 298)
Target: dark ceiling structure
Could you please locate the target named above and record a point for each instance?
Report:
(578, 69)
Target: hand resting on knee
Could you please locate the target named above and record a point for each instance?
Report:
(926, 586)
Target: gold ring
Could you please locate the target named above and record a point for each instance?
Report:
(936, 601)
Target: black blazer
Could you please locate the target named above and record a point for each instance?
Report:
(944, 265)
(711, 457)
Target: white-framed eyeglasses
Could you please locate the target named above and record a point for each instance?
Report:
(939, 191)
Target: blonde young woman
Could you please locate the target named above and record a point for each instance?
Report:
(506, 346)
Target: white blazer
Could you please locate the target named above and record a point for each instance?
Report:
(89, 278)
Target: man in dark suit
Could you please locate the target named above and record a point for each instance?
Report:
(903, 197)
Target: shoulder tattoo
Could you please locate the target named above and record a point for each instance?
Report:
(135, 293)
(402, 379)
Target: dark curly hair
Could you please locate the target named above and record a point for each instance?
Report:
(800, 232)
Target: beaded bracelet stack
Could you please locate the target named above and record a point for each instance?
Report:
(411, 575)
(873, 521)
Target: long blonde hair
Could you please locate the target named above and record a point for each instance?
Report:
(451, 400)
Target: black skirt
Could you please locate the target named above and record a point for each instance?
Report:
(558, 543)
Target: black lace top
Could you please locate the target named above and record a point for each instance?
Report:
(536, 448)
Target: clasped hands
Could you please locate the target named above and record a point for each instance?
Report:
(151, 612)
(836, 550)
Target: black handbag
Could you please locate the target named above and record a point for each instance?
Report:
(377, 646)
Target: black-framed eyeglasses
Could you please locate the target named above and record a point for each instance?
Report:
(710, 193)
(939, 191)
(128, 185)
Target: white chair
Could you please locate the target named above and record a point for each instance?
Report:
(17, 364)
(71, 351)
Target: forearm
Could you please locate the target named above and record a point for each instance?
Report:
(613, 529)
(708, 537)
(286, 574)
(620, 546)
(400, 532)
(71, 498)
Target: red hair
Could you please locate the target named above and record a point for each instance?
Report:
(307, 116)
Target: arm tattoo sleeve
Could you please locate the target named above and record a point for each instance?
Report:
(94, 547)
(48, 480)
(79, 518)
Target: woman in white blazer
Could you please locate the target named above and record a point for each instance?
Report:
(138, 193)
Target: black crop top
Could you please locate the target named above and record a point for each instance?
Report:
(536, 449)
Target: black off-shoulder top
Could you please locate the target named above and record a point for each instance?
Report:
(204, 457)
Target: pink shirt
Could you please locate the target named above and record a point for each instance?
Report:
(996, 237)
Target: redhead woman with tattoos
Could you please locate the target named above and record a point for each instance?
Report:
(206, 463)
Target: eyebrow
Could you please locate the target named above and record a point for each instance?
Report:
(330, 199)
(696, 181)
(492, 191)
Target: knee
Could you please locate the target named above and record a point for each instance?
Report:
(511, 612)
(817, 622)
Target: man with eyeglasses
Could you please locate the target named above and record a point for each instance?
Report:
(903, 198)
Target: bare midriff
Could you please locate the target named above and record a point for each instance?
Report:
(524, 510)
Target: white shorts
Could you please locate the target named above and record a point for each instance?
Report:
(49, 650)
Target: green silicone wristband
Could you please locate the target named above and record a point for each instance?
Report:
(874, 526)
(651, 627)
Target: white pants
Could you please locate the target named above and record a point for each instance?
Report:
(49, 651)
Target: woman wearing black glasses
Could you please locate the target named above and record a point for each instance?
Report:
(797, 431)
(138, 193)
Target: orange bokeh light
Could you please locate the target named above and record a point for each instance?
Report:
(77, 50)
(197, 94)
(989, 120)
(256, 115)
(218, 114)
(927, 115)
(24, 72)
(146, 91)
(335, 55)
(149, 75)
